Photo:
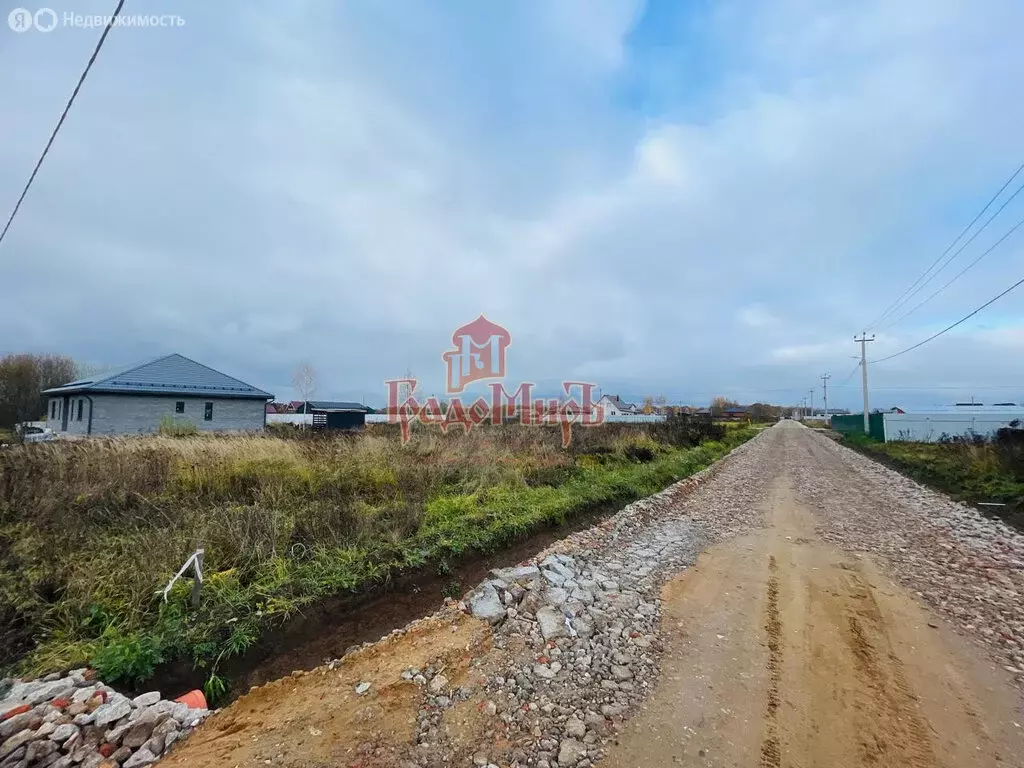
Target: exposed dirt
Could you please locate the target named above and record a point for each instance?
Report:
(783, 651)
(318, 719)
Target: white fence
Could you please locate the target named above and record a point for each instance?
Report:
(289, 418)
(382, 418)
(930, 427)
(627, 418)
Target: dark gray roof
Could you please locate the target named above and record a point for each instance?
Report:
(619, 402)
(335, 405)
(168, 375)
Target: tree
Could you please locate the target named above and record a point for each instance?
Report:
(22, 381)
(304, 381)
(764, 412)
(720, 403)
(648, 406)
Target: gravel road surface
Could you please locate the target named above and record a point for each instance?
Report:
(795, 605)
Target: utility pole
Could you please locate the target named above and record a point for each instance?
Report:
(811, 392)
(863, 340)
(824, 388)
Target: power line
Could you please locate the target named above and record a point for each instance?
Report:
(960, 274)
(965, 388)
(849, 375)
(900, 299)
(954, 325)
(64, 114)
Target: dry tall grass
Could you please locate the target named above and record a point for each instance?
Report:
(90, 531)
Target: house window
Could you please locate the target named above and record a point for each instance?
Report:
(53, 409)
(179, 407)
(208, 412)
(79, 409)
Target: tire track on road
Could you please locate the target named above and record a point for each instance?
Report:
(771, 749)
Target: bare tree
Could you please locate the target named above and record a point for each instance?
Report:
(405, 391)
(22, 381)
(304, 381)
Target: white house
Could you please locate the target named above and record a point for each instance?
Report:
(614, 406)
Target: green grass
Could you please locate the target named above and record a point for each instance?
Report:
(967, 471)
(91, 531)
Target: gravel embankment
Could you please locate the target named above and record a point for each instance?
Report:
(967, 566)
(580, 625)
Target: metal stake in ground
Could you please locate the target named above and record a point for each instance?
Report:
(197, 582)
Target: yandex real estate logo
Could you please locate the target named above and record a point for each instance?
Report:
(479, 354)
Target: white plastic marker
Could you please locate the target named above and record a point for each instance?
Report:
(197, 558)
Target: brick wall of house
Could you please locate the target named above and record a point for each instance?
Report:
(141, 414)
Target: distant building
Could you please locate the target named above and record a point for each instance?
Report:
(735, 414)
(937, 422)
(136, 400)
(332, 414)
(613, 405)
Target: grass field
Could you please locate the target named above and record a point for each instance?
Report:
(91, 531)
(971, 471)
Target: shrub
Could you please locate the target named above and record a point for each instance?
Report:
(131, 658)
(171, 427)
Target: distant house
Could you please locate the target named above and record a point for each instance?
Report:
(332, 414)
(735, 413)
(275, 408)
(614, 406)
(135, 400)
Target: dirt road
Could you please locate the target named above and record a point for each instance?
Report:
(784, 651)
(793, 641)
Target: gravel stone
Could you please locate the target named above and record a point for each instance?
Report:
(108, 713)
(438, 684)
(552, 623)
(140, 758)
(486, 604)
(146, 699)
(570, 752)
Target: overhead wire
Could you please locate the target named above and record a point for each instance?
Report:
(63, 116)
(960, 274)
(904, 297)
(950, 327)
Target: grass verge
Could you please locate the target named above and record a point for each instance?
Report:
(91, 531)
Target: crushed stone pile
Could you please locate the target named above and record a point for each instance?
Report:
(68, 720)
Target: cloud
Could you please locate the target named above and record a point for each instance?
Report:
(756, 316)
(664, 197)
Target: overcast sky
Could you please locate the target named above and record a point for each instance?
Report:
(678, 198)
